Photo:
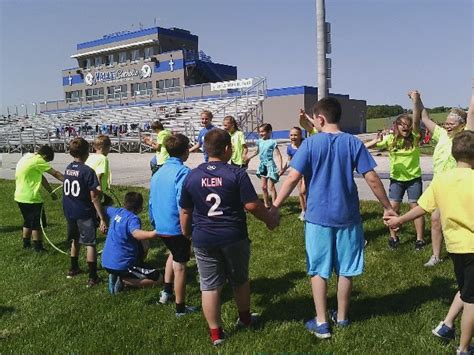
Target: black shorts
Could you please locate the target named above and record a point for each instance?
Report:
(464, 271)
(82, 230)
(179, 246)
(136, 272)
(31, 213)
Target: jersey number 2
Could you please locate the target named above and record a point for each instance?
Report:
(217, 202)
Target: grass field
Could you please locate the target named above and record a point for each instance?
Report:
(395, 303)
(374, 124)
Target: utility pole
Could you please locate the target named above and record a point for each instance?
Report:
(323, 47)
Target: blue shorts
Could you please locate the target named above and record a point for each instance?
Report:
(414, 189)
(332, 248)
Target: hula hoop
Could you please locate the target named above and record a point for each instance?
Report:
(46, 236)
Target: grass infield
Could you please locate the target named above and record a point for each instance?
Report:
(395, 303)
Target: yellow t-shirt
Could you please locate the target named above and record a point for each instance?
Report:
(453, 193)
(162, 154)
(442, 157)
(313, 131)
(28, 175)
(238, 141)
(100, 164)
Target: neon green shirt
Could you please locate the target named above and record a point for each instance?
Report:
(442, 157)
(100, 164)
(28, 175)
(404, 163)
(162, 154)
(313, 132)
(238, 141)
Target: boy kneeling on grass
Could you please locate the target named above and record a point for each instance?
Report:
(124, 250)
(213, 199)
(81, 204)
(453, 193)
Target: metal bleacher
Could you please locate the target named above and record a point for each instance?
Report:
(126, 125)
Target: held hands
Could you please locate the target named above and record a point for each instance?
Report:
(103, 227)
(391, 219)
(274, 218)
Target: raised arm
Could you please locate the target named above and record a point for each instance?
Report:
(306, 121)
(470, 114)
(373, 142)
(417, 108)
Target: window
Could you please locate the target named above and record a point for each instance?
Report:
(136, 54)
(73, 96)
(94, 94)
(98, 61)
(116, 92)
(122, 57)
(139, 89)
(110, 59)
(167, 85)
(88, 63)
(149, 52)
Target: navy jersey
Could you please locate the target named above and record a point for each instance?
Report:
(217, 193)
(79, 180)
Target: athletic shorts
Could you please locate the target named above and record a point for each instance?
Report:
(413, 188)
(179, 246)
(31, 213)
(82, 230)
(464, 271)
(332, 248)
(136, 272)
(216, 264)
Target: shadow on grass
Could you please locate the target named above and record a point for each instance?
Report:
(9, 229)
(4, 310)
(405, 301)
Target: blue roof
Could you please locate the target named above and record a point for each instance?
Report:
(124, 35)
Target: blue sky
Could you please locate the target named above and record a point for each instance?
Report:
(380, 48)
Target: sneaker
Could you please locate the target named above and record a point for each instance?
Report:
(419, 244)
(433, 261)
(470, 351)
(338, 323)
(444, 332)
(93, 282)
(187, 310)
(301, 216)
(165, 297)
(393, 242)
(322, 331)
(115, 284)
(72, 273)
(254, 319)
(40, 249)
(221, 340)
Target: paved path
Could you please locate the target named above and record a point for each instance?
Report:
(133, 169)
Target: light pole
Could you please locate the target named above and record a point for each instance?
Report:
(36, 107)
(321, 48)
(26, 108)
(16, 110)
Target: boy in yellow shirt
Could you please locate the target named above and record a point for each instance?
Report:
(99, 162)
(161, 153)
(452, 192)
(28, 181)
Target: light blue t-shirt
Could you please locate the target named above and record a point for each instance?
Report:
(328, 161)
(265, 149)
(165, 192)
(200, 139)
(121, 249)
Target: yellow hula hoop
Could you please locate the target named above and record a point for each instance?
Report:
(44, 232)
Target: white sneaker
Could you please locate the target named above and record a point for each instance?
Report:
(301, 216)
(433, 261)
(165, 297)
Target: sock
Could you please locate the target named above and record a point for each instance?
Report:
(26, 243)
(216, 333)
(245, 317)
(74, 263)
(37, 244)
(92, 269)
(180, 307)
(168, 287)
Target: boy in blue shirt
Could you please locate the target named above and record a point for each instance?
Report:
(122, 256)
(213, 199)
(333, 230)
(165, 191)
(206, 122)
(81, 205)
